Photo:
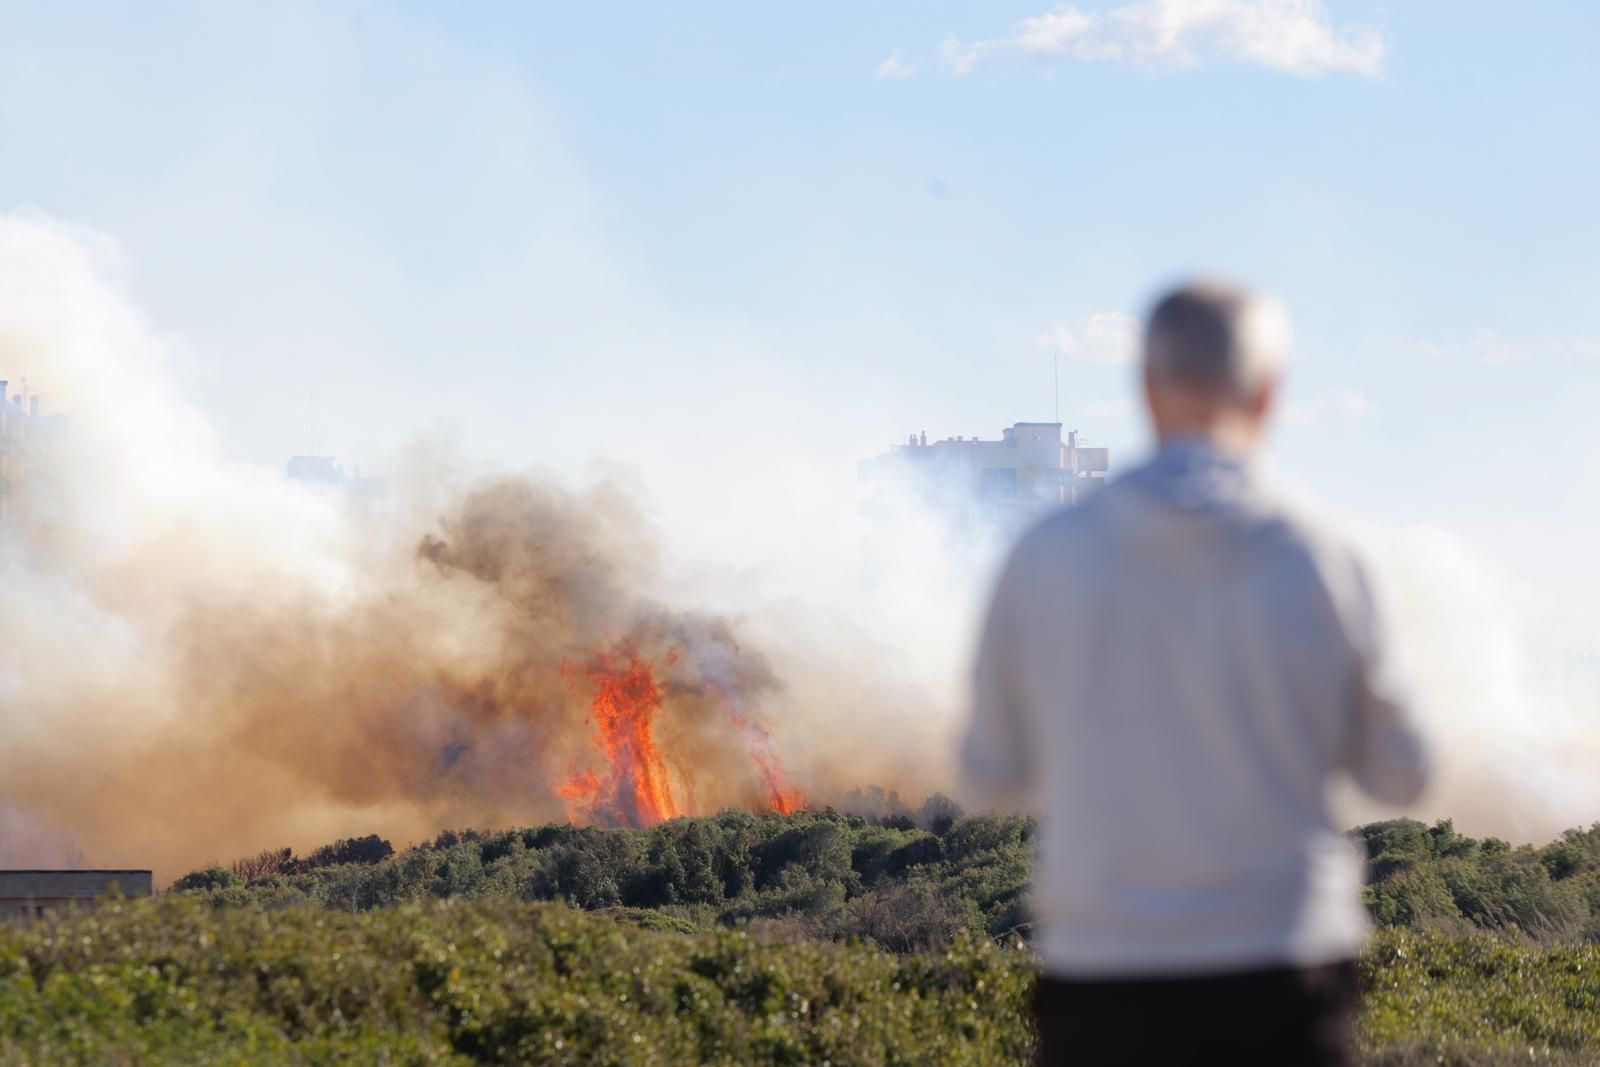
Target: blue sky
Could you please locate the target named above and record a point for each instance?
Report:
(731, 240)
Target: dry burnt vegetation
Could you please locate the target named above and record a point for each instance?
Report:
(810, 938)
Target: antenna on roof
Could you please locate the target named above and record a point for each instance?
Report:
(1055, 360)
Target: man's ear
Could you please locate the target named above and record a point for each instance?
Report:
(1264, 399)
(1148, 383)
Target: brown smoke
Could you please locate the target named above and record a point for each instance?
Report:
(434, 696)
(199, 661)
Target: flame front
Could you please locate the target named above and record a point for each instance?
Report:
(636, 788)
(781, 798)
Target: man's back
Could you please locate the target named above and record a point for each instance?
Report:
(1172, 673)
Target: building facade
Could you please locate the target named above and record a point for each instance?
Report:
(27, 895)
(324, 473)
(1003, 482)
(28, 438)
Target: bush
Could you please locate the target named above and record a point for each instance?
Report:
(369, 849)
(207, 878)
(841, 876)
(808, 868)
(1420, 876)
(1478, 999)
(172, 981)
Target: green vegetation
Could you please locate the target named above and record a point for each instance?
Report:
(810, 938)
(1434, 878)
(823, 874)
(171, 981)
(886, 881)
(1476, 999)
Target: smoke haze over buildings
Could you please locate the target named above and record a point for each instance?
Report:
(200, 659)
(195, 657)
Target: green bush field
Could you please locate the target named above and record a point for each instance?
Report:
(813, 938)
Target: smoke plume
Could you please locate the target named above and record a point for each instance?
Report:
(1512, 709)
(199, 660)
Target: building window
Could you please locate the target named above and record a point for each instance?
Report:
(997, 483)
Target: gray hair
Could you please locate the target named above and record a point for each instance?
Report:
(1215, 337)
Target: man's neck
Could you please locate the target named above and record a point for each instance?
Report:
(1235, 444)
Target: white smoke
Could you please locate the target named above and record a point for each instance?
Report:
(108, 741)
(1512, 712)
(199, 659)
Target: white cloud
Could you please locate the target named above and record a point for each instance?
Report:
(1108, 338)
(1353, 403)
(958, 59)
(1293, 36)
(1584, 348)
(1335, 405)
(894, 67)
(1488, 348)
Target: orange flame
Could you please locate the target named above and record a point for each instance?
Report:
(781, 798)
(636, 787)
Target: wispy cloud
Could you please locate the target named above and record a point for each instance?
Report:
(894, 68)
(1337, 405)
(959, 58)
(1489, 348)
(1108, 338)
(1352, 402)
(1293, 36)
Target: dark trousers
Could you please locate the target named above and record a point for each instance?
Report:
(1285, 1017)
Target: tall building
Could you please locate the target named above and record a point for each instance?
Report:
(28, 438)
(324, 472)
(970, 481)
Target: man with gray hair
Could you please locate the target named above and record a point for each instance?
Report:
(1173, 674)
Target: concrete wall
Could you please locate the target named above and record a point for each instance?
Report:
(26, 894)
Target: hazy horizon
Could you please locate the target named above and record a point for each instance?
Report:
(718, 259)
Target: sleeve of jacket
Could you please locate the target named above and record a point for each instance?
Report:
(1388, 756)
(996, 760)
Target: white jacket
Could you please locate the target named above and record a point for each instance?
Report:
(1172, 674)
